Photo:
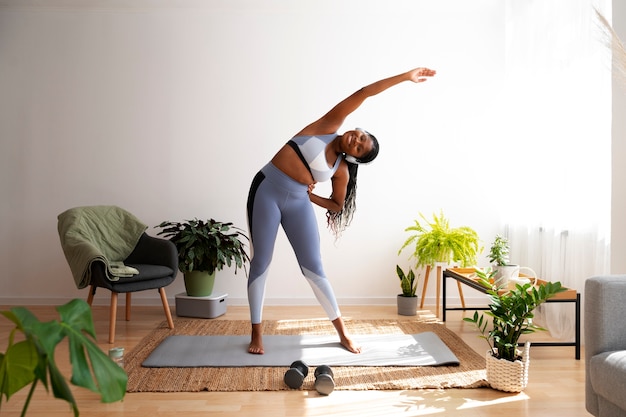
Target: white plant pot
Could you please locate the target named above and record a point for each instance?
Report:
(503, 274)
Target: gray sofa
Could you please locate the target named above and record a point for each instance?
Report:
(605, 345)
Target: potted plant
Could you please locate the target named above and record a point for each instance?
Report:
(499, 258)
(499, 251)
(32, 359)
(205, 247)
(436, 242)
(512, 313)
(407, 301)
(506, 273)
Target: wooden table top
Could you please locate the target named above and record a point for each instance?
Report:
(468, 277)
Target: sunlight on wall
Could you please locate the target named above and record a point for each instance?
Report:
(557, 109)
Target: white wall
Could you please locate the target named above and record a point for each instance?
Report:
(168, 109)
(618, 195)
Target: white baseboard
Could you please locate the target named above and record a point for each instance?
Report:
(155, 301)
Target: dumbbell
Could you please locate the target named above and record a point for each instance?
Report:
(324, 382)
(294, 377)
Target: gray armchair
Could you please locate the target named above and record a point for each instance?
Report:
(605, 346)
(97, 238)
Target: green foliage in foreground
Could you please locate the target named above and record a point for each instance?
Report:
(32, 360)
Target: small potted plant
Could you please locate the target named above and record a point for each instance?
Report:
(205, 247)
(407, 301)
(512, 313)
(499, 258)
(506, 274)
(499, 251)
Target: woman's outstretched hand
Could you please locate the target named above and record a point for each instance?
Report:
(419, 75)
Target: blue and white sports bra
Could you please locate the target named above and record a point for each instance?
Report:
(313, 151)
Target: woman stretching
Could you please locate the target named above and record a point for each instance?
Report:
(282, 193)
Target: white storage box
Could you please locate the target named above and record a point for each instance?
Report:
(207, 307)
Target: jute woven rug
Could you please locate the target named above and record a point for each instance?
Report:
(469, 374)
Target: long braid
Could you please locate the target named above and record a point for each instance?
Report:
(338, 221)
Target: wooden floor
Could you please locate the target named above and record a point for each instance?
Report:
(556, 383)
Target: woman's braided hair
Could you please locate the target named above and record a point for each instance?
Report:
(338, 221)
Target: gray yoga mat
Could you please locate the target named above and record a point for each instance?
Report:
(423, 349)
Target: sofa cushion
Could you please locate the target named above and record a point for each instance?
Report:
(608, 376)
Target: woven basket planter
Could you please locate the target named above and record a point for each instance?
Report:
(508, 376)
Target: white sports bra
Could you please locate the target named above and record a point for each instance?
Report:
(312, 151)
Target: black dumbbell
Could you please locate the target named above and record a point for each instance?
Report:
(294, 377)
(324, 382)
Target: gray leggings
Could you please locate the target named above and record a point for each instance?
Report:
(276, 199)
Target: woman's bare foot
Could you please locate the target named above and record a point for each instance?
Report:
(256, 342)
(350, 345)
(343, 339)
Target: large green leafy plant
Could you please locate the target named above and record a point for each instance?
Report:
(435, 241)
(511, 313)
(206, 245)
(31, 359)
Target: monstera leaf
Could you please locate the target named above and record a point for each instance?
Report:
(33, 360)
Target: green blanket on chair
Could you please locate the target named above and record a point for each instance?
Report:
(97, 233)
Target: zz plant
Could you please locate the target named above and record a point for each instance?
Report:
(511, 313)
(32, 358)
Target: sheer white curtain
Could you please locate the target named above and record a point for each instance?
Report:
(558, 108)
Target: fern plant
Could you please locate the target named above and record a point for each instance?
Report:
(511, 313)
(435, 241)
(408, 283)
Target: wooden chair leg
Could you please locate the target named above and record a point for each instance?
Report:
(425, 286)
(92, 292)
(166, 307)
(112, 317)
(128, 296)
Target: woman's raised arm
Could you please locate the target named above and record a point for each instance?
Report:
(332, 121)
